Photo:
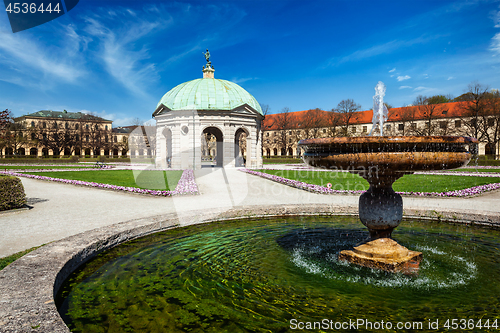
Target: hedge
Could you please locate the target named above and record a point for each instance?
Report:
(11, 193)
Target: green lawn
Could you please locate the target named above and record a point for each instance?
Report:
(149, 179)
(284, 160)
(408, 183)
(34, 167)
(10, 259)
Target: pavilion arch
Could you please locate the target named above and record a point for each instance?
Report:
(218, 150)
(241, 147)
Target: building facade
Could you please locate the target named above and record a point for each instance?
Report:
(281, 132)
(62, 133)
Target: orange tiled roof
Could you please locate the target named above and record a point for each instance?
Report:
(444, 110)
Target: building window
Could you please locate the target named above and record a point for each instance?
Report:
(106, 127)
(44, 136)
(289, 132)
(44, 124)
(443, 124)
(87, 138)
(106, 138)
(77, 137)
(32, 124)
(66, 125)
(387, 127)
(324, 130)
(458, 123)
(76, 126)
(55, 124)
(124, 139)
(353, 129)
(289, 140)
(267, 140)
(33, 136)
(491, 122)
(413, 126)
(87, 126)
(116, 140)
(267, 134)
(365, 129)
(96, 127)
(401, 127)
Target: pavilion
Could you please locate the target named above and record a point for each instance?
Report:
(208, 122)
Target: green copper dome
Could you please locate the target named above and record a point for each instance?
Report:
(208, 94)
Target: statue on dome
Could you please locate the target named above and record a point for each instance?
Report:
(207, 57)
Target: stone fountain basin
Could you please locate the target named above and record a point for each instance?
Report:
(395, 153)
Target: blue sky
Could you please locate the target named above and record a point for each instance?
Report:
(118, 58)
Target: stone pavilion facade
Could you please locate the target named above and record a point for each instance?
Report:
(208, 122)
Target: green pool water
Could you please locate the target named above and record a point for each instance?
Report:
(281, 275)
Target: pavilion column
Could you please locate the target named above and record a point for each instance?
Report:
(250, 152)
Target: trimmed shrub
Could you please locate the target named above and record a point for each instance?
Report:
(11, 193)
(484, 160)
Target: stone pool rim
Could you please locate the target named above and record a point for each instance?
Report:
(28, 286)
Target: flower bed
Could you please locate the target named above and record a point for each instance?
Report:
(186, 184)
(475, 190)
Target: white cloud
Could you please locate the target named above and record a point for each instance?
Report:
(122, 48)
(405, 87)
(392, 70)
(241, 80)
(420, 88)
(495, 44)
(31, 59)
(402, 78)
(450, 78)
(496, 18)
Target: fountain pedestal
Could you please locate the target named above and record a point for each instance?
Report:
(381, 210)
(385, 254)
(381, 161)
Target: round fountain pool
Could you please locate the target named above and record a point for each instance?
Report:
(280, 275)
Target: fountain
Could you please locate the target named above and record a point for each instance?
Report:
(381, 161)
(282, 273)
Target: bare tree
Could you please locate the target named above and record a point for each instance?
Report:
(473, 110)
(265, 111)
(347, 110)
(311, 124)
(5, 122)
(137, 121)
(333, 119)
(490, 121)
(283, 125)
